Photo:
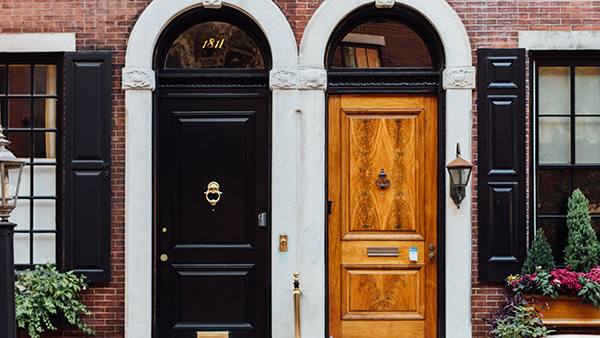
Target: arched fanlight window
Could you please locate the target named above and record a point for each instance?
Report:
(214, 44)
(382, 44)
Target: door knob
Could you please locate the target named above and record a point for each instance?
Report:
(432, 256)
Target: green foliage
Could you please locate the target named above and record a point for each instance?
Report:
(582, 252)
(590, 292)
(523, 323)
(45, 291)
(538, 255)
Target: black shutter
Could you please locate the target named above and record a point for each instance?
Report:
(87, 164)
(501, 169)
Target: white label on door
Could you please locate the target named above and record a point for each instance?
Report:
(412, 254)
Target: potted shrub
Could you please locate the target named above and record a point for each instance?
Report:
(44, 292)
(578, 285)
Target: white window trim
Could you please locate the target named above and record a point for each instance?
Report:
(37, 42)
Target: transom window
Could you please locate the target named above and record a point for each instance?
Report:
(382, 44)
(214, 44)
(28, 105)
(567, 155)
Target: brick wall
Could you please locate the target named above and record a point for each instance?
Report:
(104, 25)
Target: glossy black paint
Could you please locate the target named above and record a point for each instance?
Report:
(216, 277)
(502, 175)
(87, 193)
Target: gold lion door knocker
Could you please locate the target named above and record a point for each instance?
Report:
(213, 188)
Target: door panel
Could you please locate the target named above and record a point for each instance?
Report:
(382, 282)
(214, 274)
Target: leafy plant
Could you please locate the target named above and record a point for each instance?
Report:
(539, 255)
(581, 254)
(46, 291)
(517, 319)
(590, 292)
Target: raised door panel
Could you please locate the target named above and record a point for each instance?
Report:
(381, 281)
(212, 263)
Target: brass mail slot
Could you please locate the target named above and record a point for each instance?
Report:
(224, 334)
(382, 252)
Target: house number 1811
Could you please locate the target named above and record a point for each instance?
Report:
(213, 43)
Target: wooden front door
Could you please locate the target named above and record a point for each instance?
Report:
(382, 228)
(211, 253)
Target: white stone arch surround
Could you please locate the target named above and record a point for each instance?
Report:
(298, 158)
(138, 83)
(459, 77)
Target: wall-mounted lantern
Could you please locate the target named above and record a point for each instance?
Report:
(9, 165)
(460, 172)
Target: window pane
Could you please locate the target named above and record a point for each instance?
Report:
(19, 113)
(589, 183)
(554, 90)
(44, 180)
(44, 214)
(2, 79)
(19, 79)
(214, 45)
(587, 139)
(21, 248)
(45, 79)
(45, 147)
(400, 46)
(20, 144)
(44, 248)
(24, 189)
(349, 58)
(556, 232)
(552, 192)
(554, 140)
(587, 90)
(20, 215)
(44, 113)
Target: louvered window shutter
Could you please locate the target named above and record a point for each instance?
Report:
(87, 164)
(501, 145)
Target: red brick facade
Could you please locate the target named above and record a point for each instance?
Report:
(105, 25)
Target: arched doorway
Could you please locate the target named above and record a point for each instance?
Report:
(385, 174)
(212, 184)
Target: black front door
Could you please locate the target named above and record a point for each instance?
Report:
(212, 185)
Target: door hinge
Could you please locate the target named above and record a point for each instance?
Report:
(329, 204)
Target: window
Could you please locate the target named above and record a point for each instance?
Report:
(29, 97)
(567, 141)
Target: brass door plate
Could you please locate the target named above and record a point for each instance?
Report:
(213, 334)
(283, 242)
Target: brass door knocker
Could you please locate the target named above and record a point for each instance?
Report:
(213, 188)
(382, 182)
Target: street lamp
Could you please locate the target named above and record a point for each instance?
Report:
(460, 172)
(11, 169)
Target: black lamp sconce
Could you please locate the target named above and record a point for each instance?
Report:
(460, 173)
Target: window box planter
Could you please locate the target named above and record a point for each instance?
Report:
(567, 311)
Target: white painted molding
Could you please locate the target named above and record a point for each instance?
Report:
(138, 79)
(37, 42)
(138, 161)
(311, 79)
(559, 40)
(216, 4)
(385, 3)
(283, 79)
(459, 78)
(454, 36)
(458, 105)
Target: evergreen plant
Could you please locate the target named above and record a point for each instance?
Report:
(581, 254)
(538, 255)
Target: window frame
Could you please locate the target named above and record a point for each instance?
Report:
(32, 59)
(571, 59)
